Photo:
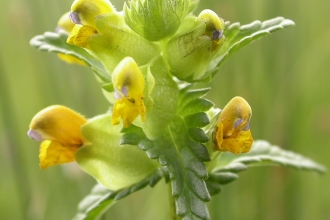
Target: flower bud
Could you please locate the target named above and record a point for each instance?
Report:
(190, 51)
(232, 132)
(156, 19)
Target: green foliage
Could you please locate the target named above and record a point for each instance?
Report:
(107, 161)
(115, 41)
(101, 198)
(56, 43)
(162, 103)
(238, 36)
(261, 154)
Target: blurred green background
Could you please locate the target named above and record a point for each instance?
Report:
(285, 78)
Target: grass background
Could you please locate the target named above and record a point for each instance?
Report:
(285, 78)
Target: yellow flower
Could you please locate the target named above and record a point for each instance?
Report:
(214, 28)
(58, 128)
(85, 11)
(232, 132)
(128, 83)
(83, 14)
(67, 25)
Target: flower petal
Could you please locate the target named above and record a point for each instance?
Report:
(53, 153)
(71, 59)
(128, 111)
(87, 10)
(80, 34)
(241, 144)
(58, 123)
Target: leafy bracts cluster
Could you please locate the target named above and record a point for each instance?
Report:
(147, 59)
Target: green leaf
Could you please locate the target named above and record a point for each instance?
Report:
(223, 177)
(115, 166)
(179, 150)
(263, 153)
(95, 204)
(217, 179)
(199, 120)
(100, 199)
(197, 105)
(198, 135)
(238, 36)
(56, 42)
(187, 95)
(187, 171)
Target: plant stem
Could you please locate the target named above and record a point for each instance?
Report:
(172, 203)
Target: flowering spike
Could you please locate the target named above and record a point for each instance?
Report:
(85, 11)
(232, 131)
(59, 129)
(128, 83)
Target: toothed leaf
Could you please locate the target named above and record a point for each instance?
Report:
(187, 171)
(238, 36)
(56, 43)
(100, 199)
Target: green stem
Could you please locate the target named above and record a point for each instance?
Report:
(172, 203)
(214, 161)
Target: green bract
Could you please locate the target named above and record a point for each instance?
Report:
(115, 40)
(190, 51)
(156, 19)
(115, 166)
(161, 102)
